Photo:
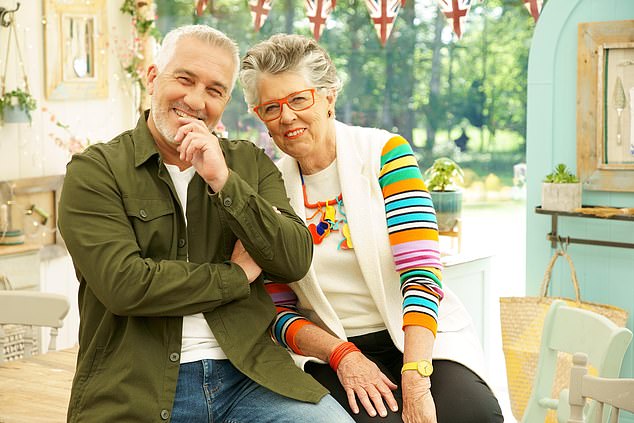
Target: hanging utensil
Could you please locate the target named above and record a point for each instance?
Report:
(620, 103)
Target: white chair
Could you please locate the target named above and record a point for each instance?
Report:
(618, 393)
(33, 309)
(571, 330)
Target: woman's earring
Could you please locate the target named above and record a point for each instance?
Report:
(270, 135)
(329, 113)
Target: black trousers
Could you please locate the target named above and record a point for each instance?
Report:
(459, 394)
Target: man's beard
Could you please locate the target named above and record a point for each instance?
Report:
(161, 121)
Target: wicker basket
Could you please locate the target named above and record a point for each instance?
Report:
(522, 320)
(14, 342)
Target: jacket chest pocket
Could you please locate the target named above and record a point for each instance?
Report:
(153, 222)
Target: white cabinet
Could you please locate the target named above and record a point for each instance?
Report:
(469, 277)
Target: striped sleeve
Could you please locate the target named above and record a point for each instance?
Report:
(413, 233)
(288, 320)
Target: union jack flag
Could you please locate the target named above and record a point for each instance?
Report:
(456, 13)
(383, 13)
(200, 6)
(317, 12)
(259, 12)
(534, 7)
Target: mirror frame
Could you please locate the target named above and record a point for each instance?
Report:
(56, 54)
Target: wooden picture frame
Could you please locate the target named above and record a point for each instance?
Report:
(605, 130)
(75, 49)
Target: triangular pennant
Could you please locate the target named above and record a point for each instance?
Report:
(456, 13)
(534, 7)
(259, 12)
(201, 5)
(383, 13)
(317, 12)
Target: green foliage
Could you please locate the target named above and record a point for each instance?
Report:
(561, 175)
(443, 174)
(19, 98)
(423, 80)
(143, 26)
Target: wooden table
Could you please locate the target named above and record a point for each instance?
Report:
(37, 389)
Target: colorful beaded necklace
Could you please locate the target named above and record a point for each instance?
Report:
(328, 221)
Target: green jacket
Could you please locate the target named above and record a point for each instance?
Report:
(121, 220)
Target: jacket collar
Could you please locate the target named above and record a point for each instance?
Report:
(144, 144)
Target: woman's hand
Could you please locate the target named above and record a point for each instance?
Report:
(362, 379)
(418, 404)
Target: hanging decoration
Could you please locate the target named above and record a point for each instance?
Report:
(317, 12)
(201, 5)
(383, 13)
(259, 12)
(15, 105)
(456, 13)
(534, 7)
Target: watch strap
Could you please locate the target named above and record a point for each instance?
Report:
(424, 367)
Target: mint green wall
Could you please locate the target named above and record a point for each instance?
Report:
(605, 274)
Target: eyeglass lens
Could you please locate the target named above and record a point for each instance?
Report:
(298, 101)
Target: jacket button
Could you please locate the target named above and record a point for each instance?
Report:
(174, 357)
(165, 414)
(143, 213)
(181, 242)
(227, 202)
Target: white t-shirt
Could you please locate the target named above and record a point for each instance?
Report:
(199, 342)
(339, 273)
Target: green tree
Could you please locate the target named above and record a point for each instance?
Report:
(424, 79)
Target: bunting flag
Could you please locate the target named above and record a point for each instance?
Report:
(456, 13)
(534, 7)
(383, 13)
(200, 6)
(317, 12)
(259, 12)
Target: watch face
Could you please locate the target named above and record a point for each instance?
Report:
(425, 368)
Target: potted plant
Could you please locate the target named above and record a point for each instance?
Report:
(16, 106)
(442, 179)
(561, 190)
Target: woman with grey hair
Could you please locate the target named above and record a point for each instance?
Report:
(369, 305)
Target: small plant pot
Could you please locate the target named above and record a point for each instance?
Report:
(448, 205)
(15, 114)
(561, 197)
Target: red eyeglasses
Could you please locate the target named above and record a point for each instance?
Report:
(298, 101)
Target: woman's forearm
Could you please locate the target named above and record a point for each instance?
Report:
(419, 343)
(316, 342)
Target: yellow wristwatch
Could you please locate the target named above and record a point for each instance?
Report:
(423, 367)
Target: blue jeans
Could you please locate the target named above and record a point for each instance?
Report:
(214, 391)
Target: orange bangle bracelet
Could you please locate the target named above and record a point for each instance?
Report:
(340, 352)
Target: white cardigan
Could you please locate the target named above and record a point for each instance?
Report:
(358, 163)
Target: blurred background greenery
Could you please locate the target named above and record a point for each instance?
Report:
(461, 98)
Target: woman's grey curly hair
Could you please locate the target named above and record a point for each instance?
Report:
(287, 53)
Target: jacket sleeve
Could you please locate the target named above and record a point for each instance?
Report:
(413, 234)
(275, 237)
(96, 228)
(288, 320)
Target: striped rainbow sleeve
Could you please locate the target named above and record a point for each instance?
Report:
(413, 233)
(288, 320)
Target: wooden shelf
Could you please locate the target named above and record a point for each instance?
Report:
(556, 239)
